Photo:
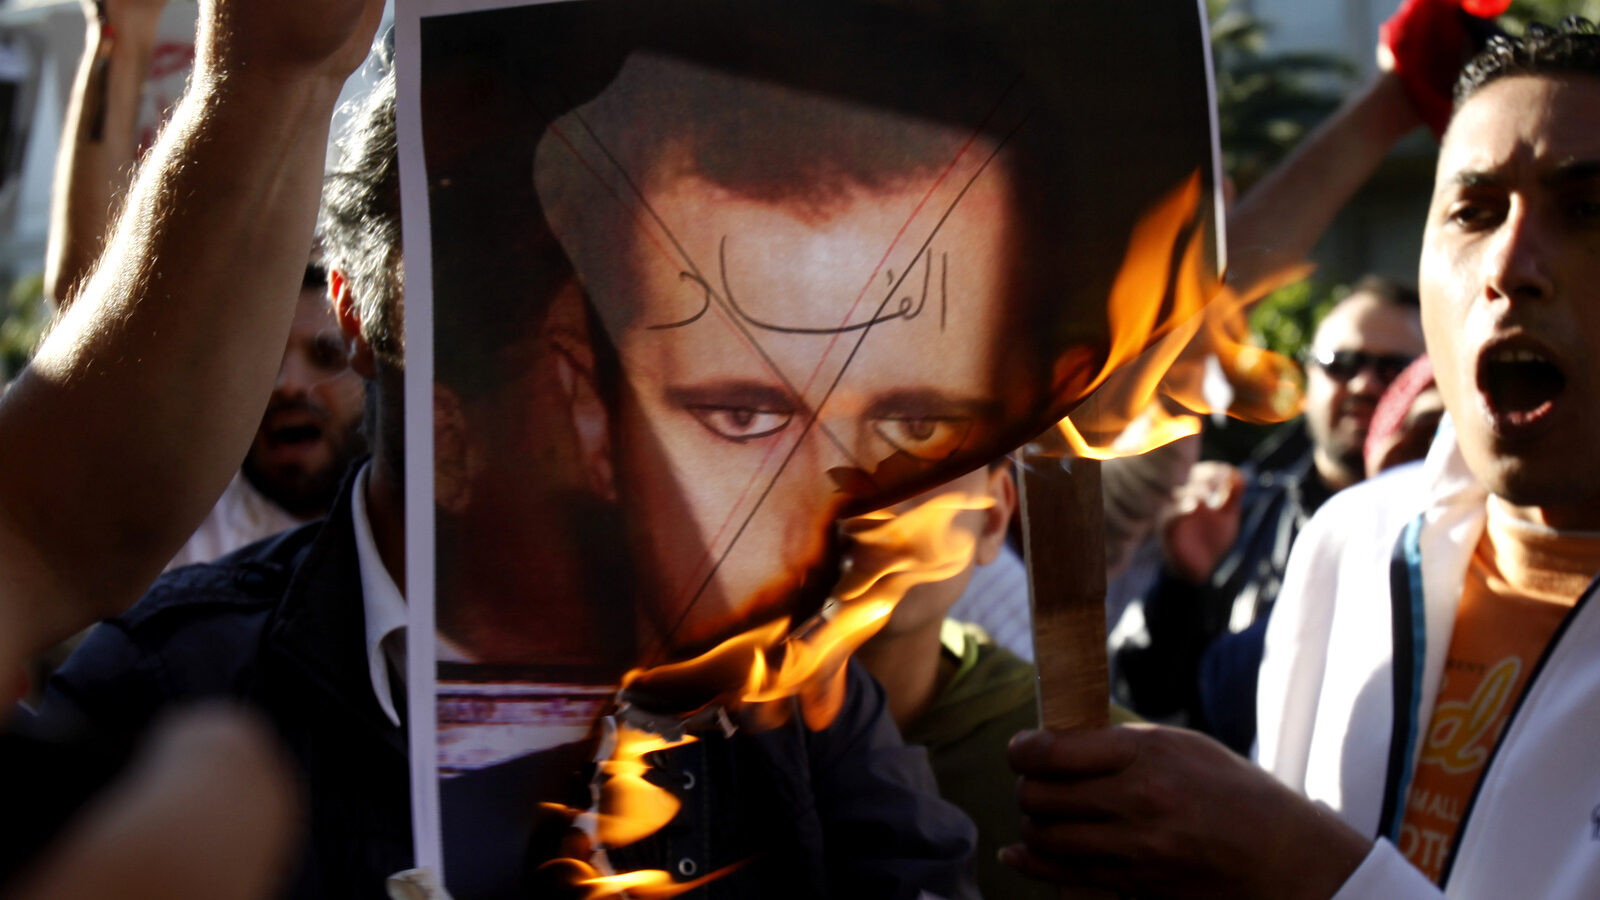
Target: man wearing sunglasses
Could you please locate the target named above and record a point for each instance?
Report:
(1359, 348)
(1195, 660)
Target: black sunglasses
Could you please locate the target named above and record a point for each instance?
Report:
(1343, 365)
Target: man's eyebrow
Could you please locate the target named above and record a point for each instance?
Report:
(1575, 171)
(732, 393)
(1568, 172)
(1475, 178)
(931, 403)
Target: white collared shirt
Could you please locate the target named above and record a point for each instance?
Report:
(383, 607)
(242, 515)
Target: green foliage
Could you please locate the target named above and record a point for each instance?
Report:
(22, 321)
(1549, 12)
(1266, 103)
(1285, 319)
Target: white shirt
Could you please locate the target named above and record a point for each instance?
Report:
(996, 600)
(243, 515)
(1326, 703)
(383, 607)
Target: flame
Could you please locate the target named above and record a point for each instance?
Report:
(1179, 349)
(631, 808)
(892, 552)
(627, 807)
(1162, 372)
(647, 884)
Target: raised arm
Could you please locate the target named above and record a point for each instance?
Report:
(1420, 50)
(140, 404)
(1275, 225)
(100, 138)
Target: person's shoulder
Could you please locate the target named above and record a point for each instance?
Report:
(196, 633)
(1353, 532)
(1372, 508)
(1007, 686)
(992, 688)
(247, 580)
(995, 662)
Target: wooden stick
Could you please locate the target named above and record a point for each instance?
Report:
(1062, 527)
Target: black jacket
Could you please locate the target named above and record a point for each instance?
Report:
(1189, 666)
(279, 624)
(847, 811)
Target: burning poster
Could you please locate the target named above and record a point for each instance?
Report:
(699, 279)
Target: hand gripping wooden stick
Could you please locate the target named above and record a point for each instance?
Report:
(1065, 546)
(1062, 528)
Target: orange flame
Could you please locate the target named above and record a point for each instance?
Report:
(1196, 358)
(892, 552)
(627, 807)
(645, 884)
(631, 808)
(1156, 362)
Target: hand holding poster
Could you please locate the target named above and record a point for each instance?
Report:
(689, 282)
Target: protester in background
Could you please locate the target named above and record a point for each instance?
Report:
(954, 690)
(1406, 419)
(1194, 663)
(1135, 491)
(996, 600)
(307, 441)
(99, 139)
(1359, 348)
(99, 381)
(321, 665)
(112, 455)
(311, 431)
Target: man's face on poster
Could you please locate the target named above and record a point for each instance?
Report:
(787, 346)
(741, 433)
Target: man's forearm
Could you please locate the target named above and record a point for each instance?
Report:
(1275, 225)
(141, 403)
(99, 142)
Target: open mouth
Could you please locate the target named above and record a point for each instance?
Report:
(1521, 385)
(293, 435)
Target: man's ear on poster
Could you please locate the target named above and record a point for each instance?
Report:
(566, 333)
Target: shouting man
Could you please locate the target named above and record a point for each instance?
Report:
(1429, 674)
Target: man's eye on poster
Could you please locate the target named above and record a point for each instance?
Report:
(703, 280)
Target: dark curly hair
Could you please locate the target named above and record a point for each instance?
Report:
(1572, 48)
(360, 221)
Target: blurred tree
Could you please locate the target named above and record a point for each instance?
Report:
(1266, 102)
(22, 321)
(1550, 12)
(1286, 318)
